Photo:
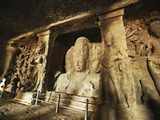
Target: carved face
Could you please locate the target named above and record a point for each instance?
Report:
(95, 58)
(80, 54)
(69, 60)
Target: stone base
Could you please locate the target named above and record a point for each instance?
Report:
(24, 98)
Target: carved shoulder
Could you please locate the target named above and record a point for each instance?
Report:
(95, 78)
(92, 86)
(62, 77)
(61, 83)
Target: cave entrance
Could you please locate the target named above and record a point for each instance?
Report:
(56, 55)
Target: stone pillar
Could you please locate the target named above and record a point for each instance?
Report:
(116, 63)
(9, 52)
(44, 37)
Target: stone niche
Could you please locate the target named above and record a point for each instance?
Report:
(81, 79)
(59, 47)
(26, 67)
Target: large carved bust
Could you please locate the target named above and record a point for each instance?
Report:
(82, 77)
(78, 79)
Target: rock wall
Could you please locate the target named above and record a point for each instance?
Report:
(143, 42)
(29, 64)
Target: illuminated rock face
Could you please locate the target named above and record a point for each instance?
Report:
(116, 61)
(83, 76)
(28, 72)
(124, 80)
(118, 71)
(79, 79)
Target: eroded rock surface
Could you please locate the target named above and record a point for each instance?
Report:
(83, 77)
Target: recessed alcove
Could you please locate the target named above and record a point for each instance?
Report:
(59, 47)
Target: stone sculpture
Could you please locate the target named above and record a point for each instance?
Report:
(39, 74)
(80, 54)
(82, 77)
(26, 73)
(69, 60)
(154, 61)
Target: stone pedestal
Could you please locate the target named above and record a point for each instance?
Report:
(24, 98)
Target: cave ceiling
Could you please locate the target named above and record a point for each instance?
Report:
(19, 16)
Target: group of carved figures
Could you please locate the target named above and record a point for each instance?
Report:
(28, 71)
(83, 78)
(82, 75)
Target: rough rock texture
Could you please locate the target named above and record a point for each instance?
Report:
(141, 60)
(83, 77)
(118, 79)
(77, 61)
(144, 52)
(28, 71)
(155, 27)
(23, 16)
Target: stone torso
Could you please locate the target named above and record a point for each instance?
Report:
(88, 85)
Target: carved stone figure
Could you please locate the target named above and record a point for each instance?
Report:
(96, 52)
(69, 60)
(154, 61)
(79, 55)
(154, 28)
(72, 81)
(39, 73)
(80, 80)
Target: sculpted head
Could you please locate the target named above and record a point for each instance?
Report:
(80, 54)
(69, 60)
(95, 58)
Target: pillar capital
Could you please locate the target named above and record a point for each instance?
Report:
(44, 36)
(111, 15)
(44, 33)
(10, 49)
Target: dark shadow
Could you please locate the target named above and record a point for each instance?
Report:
(154, 107)
(141, 9)
(28, 112)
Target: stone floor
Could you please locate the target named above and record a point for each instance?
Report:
(10, 110)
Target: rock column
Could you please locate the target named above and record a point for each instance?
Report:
(116, 63)
(9, 52)
(44, 37)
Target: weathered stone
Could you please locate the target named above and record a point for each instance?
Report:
(83, 77)
(8, 57)
(115, 59)
(155, 28)
(95, 57)
(118, 74)
(69, 60)
(144, 61)
(79, 74)
(30, 66)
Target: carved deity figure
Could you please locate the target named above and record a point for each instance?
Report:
(79, 79)
(39, 73)
(72, 81)
(154, 61)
